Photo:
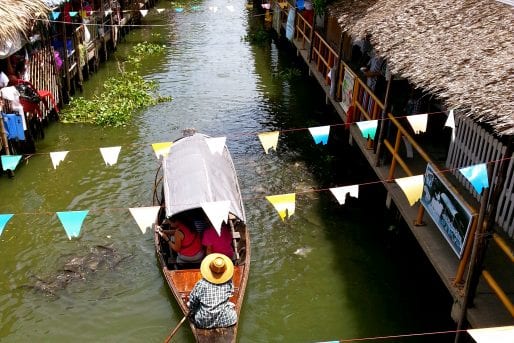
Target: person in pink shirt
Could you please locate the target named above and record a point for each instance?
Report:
(215, 243)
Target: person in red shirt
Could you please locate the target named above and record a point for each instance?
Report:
(185, 241)
(218, 243)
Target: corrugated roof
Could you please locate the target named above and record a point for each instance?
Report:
(461, 50)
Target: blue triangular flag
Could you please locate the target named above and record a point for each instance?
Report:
(320, 134)
(179, 9)
(72, 221)
(477, 176)
(368, 128)
(10, 161)
(300, 4)
(4, 218)
(73, 13)
(55, 15)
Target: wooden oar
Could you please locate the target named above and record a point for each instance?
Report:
(174, 331)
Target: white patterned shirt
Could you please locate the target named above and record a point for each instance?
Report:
(210, 306)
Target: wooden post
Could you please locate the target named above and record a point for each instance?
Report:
(396, 147)
(473, 266)
(382, 122)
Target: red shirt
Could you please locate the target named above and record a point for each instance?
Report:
(220, 244)
(191, 243)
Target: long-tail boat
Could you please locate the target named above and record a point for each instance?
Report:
(191, 175)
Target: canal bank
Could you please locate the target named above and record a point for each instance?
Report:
(325, 274)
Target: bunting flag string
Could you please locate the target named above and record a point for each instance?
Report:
(10, 162)
(284, 204)
(418, 122)
(320, 134)
(216, 145)
(412, 187)
(110, 155)
(4, 218)
(217, 212)
(368, 128)
(500, 334)
(144, 216)
(57, 157)
(161, 149)
(477, 176)
(340, 193)
(269, 140)
(72, 222)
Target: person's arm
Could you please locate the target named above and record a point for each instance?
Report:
(177, 244)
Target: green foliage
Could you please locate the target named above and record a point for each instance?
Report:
(145, 48)
(122, 95)
(258, 36)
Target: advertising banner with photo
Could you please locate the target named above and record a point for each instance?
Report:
(347, 90)
(450, 215)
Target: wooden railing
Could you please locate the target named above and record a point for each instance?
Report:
(323, 56)
(303, 30)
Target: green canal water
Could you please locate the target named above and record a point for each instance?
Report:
(330, 272)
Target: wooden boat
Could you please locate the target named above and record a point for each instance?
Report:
(191, 176)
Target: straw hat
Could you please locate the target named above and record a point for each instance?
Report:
(217, 268)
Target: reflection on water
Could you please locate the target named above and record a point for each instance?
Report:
(325, 274)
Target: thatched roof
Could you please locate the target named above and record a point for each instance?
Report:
(16, 17)
(461, 50)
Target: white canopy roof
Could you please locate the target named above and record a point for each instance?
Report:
(193, 176)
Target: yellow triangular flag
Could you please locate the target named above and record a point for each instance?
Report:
(161, 149)
(412, 186)
(269, 140)
(283, 203)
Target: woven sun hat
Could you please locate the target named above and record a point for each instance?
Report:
(217, 268)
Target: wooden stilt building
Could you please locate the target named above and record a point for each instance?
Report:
(455, 55)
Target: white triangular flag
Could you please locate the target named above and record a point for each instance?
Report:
(418, 122)
(141, 5)
(110, 155)
(160, 10)
(412, 186)
(340, 193)
(216, 144)
(450, 121)
(143, 12)
(109, 11)
(144, 216)
(217, 212)
(501, 334)
(57, 157)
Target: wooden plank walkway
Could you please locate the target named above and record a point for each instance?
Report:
(487, 310)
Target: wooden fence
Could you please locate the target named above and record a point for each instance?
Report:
(473, 145)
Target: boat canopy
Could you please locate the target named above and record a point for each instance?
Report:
(193, 175)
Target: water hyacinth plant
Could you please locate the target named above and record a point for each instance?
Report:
(122, 95)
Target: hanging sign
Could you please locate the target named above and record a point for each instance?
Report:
(450, 215)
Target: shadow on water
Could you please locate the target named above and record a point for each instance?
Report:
(386, 285)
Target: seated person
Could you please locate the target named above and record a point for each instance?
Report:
(186, 242)
(209, 303)
(218, 243)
